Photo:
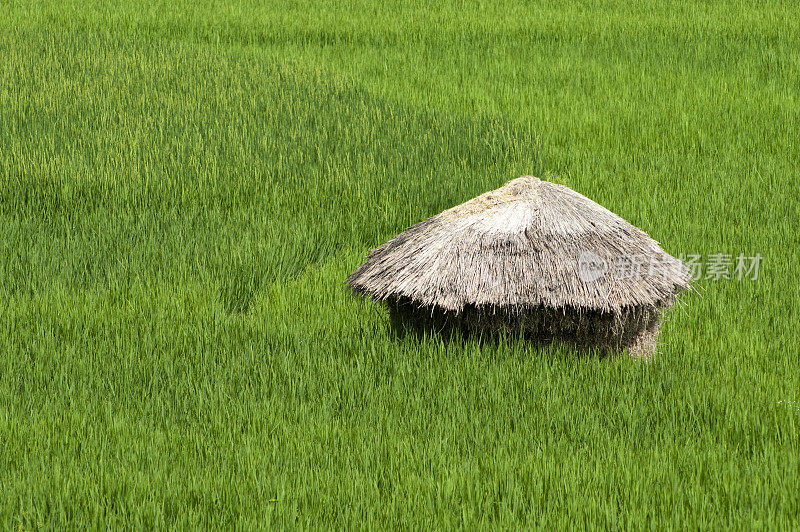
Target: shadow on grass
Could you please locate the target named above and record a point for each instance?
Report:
(455, 335)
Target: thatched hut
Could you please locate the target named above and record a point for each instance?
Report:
(533, 257)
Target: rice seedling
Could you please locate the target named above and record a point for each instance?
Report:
(184, 190)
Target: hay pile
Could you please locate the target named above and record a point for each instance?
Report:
(532, 257)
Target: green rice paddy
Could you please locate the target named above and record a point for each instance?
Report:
(185, 187)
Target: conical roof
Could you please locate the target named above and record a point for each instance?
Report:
(526, 244)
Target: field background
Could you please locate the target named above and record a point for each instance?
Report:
(184, 189)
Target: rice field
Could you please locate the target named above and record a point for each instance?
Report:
(185, 188)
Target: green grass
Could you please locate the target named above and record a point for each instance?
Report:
(184, 189)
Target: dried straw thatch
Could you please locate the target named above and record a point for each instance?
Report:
(531, 256)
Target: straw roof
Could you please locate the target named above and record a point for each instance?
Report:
(529, 243)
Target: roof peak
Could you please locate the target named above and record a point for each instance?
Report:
(522, 189)
(525, 187)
